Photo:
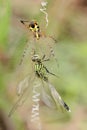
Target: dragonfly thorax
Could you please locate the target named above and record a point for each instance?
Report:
(39, 68)
(41, 71)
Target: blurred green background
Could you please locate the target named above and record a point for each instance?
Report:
(68, 23)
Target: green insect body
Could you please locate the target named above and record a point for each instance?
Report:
(41, 71)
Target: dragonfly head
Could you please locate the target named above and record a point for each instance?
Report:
(36, 58)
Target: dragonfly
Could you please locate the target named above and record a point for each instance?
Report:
(41, 72)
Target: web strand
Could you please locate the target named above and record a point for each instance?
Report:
(43, 10)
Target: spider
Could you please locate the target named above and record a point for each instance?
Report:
(34, 27)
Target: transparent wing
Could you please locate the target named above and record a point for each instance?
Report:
(23, 85)
(47, 99)
(57, 98)
(23, 92)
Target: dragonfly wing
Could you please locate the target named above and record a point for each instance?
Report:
(47, 99)
(23, 93)
(22, 85)
(16, 105)
(57, 98)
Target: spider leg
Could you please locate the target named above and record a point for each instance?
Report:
(24, 54)
(43, 58)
